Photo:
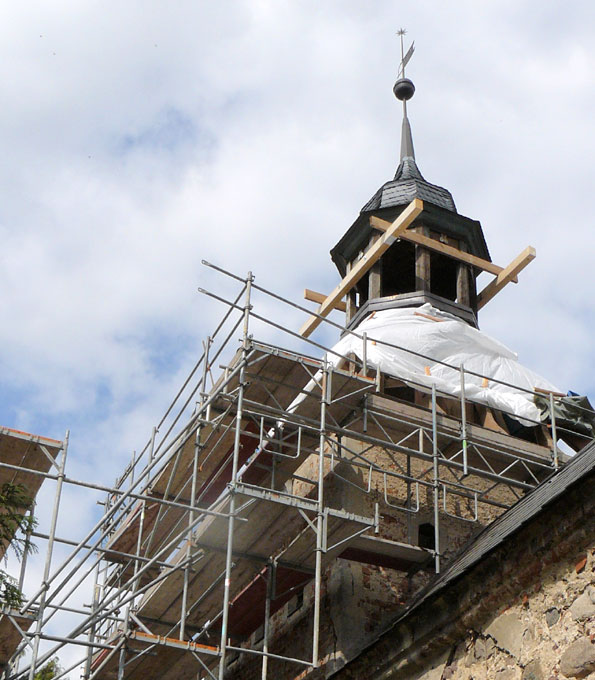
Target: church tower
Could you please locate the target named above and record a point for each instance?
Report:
(419, 268)
(309, 501)
(432, 255)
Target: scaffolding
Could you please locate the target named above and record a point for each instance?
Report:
(264, 470)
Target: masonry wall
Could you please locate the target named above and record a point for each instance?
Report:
(360, 600)
(525, 612)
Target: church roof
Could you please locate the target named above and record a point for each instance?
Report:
(408, 182)
(407, 185)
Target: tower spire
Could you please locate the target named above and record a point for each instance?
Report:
(404, 90)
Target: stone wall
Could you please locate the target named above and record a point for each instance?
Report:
(545, 633)
(524, 612)
(359, 600)
(461, 639)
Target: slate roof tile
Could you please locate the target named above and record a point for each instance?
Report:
(407, 185)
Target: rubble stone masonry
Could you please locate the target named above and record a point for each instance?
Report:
(526, 611)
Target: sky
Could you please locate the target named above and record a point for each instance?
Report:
(139, 138)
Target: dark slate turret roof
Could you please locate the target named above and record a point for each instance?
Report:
(407, 185)
(408, 182)
(439, 211)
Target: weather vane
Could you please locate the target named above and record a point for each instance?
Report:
(404, 88)
(404, 57)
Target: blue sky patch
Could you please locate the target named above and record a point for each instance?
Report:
(170, 132)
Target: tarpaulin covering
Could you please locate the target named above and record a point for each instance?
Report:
(447, 339)
(572, 412)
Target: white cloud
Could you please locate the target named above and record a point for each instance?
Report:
(139, 138)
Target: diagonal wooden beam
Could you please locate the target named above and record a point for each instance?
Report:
(313, 296)
(372, 255)
(506, 276)
(445, 249)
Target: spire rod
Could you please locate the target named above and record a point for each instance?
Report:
(404, 89)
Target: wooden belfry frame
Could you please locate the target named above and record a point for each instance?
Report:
(392, 231)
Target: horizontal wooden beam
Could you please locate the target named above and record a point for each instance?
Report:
(365, 263)
(445, 249)
(506, 276)
(542, 390)
(313, 296)
(172, 642)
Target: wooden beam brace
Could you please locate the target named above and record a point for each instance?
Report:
(172, 642)
(505, 276)
(542, 390)
(313, 296)
(433, 244)
(372, 255)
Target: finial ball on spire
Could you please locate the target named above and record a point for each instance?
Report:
(404, 89)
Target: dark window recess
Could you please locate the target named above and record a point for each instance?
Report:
(398, 269)
(232, 658)
(362, 290)
(443, 278)
(516, 429)
(426, 537)
(296, 603)
(401, 392)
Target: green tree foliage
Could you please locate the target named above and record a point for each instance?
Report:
(15, 524)
(10, 594)
(50, 670)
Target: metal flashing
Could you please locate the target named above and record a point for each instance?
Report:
(414, 299)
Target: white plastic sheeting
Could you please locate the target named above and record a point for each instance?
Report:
(453, 342)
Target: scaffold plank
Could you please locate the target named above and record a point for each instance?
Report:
(10, 637)
(28, 454)
(498, 450)
(275, 379)
(388, 554)
(151, 656)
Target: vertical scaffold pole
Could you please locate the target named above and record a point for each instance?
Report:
(233, 482)
(48, 557)
(408, 472)
(192, 514)
(554, 433)
(134, 587)
(463, 420)
(92, 629)
(189, 537)
(435, 483)
(135, 581)
(152, 446)
(27, 548)
(365, 354)
(267, 615)
(13, 666)
(320, 513)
